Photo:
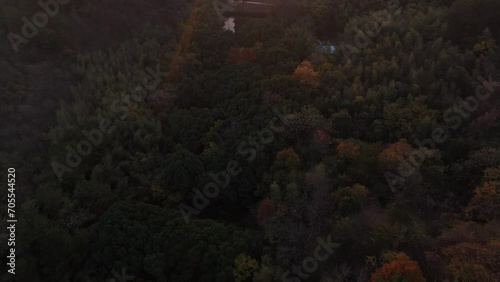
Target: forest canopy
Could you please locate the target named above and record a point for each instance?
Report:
(322, 140)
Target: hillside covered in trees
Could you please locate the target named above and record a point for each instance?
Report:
(151, 144)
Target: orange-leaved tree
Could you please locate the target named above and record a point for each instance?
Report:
(305, 74)
(391, 157)
(398, 270)
(485, 205)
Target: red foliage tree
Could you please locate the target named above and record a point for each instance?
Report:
(265, 210)
(238, 55)
(398, 270)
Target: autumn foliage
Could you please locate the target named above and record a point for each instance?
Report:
(239, 55)
(348, 149)
(306, 75)
(398, 270)
(468, 252)
(394, 154)
(265, 210)
(288, 156)
(244, 267)
(485, 205)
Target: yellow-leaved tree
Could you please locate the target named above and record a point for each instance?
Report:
(244, 268)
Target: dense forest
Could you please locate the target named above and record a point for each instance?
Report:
(150, 144)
